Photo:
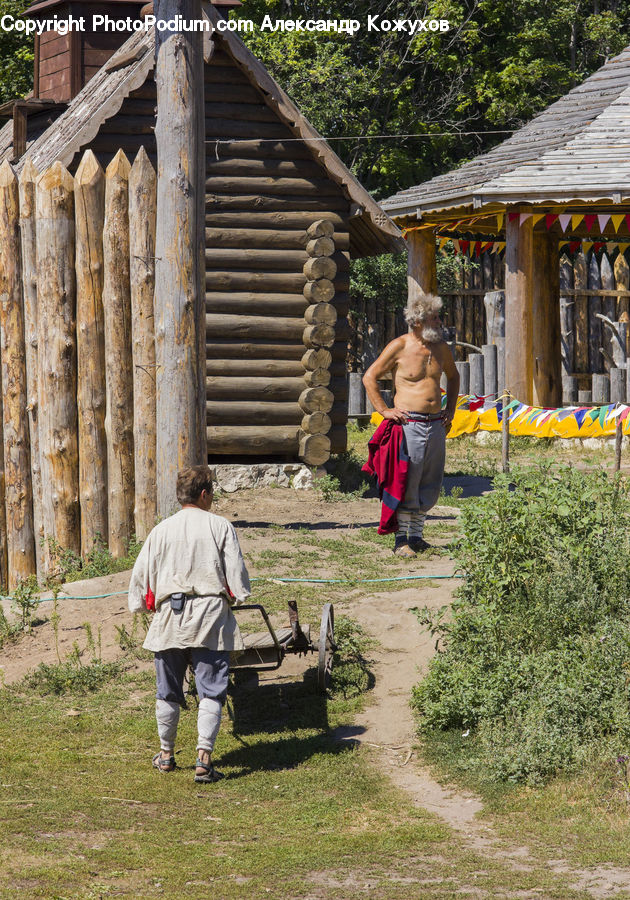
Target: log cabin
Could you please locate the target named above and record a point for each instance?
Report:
(283, 218)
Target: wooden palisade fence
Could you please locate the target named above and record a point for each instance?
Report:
(78, 360)
(74, 358)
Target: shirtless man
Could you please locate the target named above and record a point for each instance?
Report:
(416, 361)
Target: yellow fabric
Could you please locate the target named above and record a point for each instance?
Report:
(543, 425)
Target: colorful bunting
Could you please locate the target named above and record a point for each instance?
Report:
(523, 217)
(617, 220)
(603, 221)
(590, 220)
(575, 221)
(550, 218)
(512, 216)
(537, 218)
(564, 221)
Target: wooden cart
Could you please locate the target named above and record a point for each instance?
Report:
(266, 649)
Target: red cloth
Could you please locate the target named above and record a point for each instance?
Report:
(149, 599)
(389, 462)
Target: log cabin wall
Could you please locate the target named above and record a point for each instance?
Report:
(263, 190)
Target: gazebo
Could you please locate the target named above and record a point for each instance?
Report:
(564, 177)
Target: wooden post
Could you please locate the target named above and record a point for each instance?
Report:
(594, 283)
(580, 280)
(118, 364)
(519, 279)
(142, 221)
(421, 267)
(179, 274)
(505, 434)
(618, 443)
(546, 321)
(567, 316)
(17, 461)
(27, 182)
(57, 372)
(89, 206)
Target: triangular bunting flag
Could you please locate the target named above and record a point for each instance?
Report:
(617, 220)
(586, 246)
(523, 217)
(574, 246)
(550, 218)
(456, 246)
(464, 246)
(623, 247)
(575, 221)
(537, 218)
(627, 218)
(442, 242)
(602, 415)
(564, 221)
(563, 244)
(611, 247)
(501, 246)
(590, 220)
(500, 217)
(580, 415)
(603, 221)
(597, 246)
(512, 216)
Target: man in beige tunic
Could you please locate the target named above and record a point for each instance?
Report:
(191, 569)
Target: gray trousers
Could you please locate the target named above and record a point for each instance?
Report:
(426, 446)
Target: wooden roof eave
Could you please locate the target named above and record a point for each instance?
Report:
(386, 236)
(54, 144)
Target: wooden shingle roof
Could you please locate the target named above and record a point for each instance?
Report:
(577, 149)
(372, 231)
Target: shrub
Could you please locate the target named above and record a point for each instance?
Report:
(535, 658)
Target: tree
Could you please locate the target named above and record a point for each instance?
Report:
(16, 57)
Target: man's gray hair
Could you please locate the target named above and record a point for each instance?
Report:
(421, 308)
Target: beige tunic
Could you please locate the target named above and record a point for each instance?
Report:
(195, 552)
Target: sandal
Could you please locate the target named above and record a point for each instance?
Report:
(211, 774)
(404, 551)
(163, 765)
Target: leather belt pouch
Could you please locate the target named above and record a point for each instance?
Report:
(177, 602)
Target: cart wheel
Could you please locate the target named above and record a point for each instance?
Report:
(326, 648)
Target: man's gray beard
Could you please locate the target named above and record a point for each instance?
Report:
(432, 335)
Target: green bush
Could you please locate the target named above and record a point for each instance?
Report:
(535, 657)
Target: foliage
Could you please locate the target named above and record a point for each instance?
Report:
(404, 109)
(535, 658)
(16, 57)
(68, 566)
(351, 675)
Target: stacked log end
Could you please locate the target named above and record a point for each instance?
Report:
(316, 400)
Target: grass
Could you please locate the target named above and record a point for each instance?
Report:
(297, 812)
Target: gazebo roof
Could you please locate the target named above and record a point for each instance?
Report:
(578, 149)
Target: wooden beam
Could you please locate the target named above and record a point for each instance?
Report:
(546, 322)
(179, 297)
(421, 268)
(519, 278)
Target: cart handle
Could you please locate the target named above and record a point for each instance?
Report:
(263, 613)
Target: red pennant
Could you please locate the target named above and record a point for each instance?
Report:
(513, 216)
(574, 246)
(628, 221)
(550, 218)
(597, 246)
(475, 404)
(478, 248)
(485, 245)
(589, 221)
(625, 413)
(464, 245)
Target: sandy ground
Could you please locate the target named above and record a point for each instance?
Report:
(386, 725)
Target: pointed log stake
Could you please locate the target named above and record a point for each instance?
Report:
(27, 182)
(118, 364)
(89, 212)
(142, 221)
(17, 460)
(57, 355)
(179, 274)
